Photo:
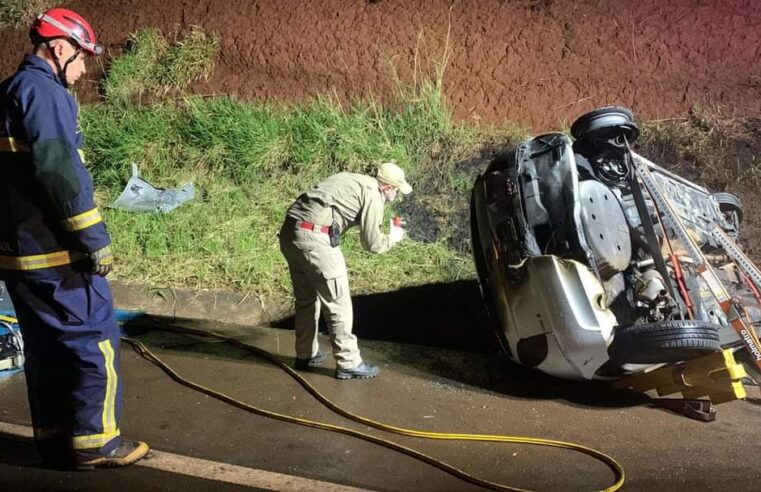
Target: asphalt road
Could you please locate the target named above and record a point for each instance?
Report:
(420, 386)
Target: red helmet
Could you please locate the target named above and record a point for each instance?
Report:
(64, 23)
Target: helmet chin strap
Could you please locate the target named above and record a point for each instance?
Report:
(62, 70)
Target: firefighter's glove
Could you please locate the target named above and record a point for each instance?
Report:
(101, 261)
(396, 233)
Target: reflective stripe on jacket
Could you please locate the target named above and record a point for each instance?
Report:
(48, 216)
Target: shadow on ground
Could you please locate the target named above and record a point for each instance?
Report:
(18, 451)
(436, 315)
(21, 468)
(416, 319)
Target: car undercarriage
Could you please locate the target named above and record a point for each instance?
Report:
(596, 263)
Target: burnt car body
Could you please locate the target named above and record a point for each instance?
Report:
(572, 259)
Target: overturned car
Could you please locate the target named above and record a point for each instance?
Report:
(595, 263)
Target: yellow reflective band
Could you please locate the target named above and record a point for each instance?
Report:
(8, 319)
(108, 417)
(109, 401)
(93, 440)
(9, 144)
(81, 155)
(82, 221)
(35, 262)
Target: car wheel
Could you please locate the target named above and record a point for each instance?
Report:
(664, 342)
(609, 121)
(729, 203)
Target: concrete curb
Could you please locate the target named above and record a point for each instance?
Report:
(438, 315)
(226, 307)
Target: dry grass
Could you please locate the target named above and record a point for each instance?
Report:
(709, 147)
(19, 14)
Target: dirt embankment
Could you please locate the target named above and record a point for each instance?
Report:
(537, 62)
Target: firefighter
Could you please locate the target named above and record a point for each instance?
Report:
(309, 240)
(55, 254)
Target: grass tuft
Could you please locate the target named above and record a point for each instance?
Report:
(19, 14)
(153, 66)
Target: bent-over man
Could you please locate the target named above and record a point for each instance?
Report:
(309, 240)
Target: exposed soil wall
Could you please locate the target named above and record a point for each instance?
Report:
(538, 62)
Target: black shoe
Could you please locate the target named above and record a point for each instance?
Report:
(306, 364)
(126, 454)
(362, 371)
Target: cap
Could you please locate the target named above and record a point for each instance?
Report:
(390, 173)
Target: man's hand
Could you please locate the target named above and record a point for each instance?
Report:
(101, 261)
(396, 233)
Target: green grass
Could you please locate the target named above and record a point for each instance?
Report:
(251, 160)
(153, 66)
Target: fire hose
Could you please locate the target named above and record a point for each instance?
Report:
(143, 351)
(147, 354)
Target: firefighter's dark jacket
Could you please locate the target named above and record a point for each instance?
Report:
(48, 218)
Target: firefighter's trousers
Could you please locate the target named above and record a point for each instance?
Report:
(71, 344)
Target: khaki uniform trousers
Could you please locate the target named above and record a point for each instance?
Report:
(320, 282)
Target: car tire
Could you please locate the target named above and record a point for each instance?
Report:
(664, 342)
(615, 119)
(729, 203)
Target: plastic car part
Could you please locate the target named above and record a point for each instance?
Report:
(605, 228)
(140, 196)
(493, 332)
(498, 192)
(664, 342)
(542, 170)
(743, 356)
(563, 302)
(650, 286)
(549, 160)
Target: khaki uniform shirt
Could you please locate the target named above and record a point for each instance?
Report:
(349, 199)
